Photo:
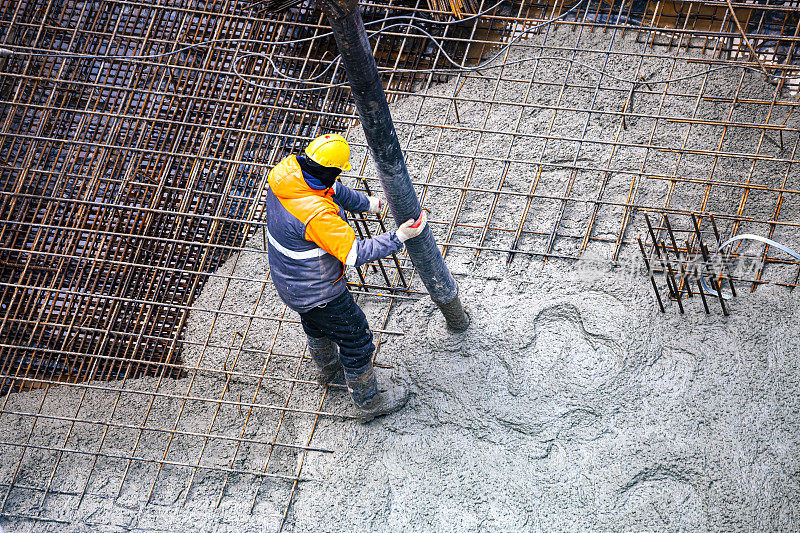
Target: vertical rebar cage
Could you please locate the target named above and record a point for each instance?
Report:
(146, 382)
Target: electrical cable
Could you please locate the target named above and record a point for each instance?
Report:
(436, 41)
(13, 51)
(5, 52)
(485, 65)
(746, 237)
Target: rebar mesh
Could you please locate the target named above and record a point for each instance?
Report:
(129, 186)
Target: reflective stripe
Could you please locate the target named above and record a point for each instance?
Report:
(352, 255)
(306, 254)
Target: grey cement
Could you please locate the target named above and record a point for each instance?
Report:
(570, 404)
(575, 406)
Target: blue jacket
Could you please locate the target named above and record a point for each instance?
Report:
(309, 237)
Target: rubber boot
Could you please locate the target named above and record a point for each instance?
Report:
(373, 399)
(326, 356)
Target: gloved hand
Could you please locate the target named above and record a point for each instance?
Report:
(411, 228)
(375, 204)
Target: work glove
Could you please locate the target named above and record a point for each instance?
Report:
(375, 204)
(411, 228)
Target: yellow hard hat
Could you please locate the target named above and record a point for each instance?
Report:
(330, 150)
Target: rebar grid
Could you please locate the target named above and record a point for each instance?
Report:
(129, 186)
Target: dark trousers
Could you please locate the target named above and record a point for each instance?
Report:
(342, 321)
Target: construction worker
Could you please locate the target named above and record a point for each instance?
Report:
(310, 245)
